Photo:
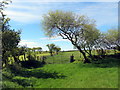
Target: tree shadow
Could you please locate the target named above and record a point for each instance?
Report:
(105, 61)
(35, 73)
(27, 77)
(32, 64)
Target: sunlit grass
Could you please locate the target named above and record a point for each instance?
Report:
(60, 73)
(74, 76)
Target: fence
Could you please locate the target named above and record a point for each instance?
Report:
(55, 59)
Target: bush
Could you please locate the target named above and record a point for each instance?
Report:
(32, 63)
(8, 84)
(15, 68)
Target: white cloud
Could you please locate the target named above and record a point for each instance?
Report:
(50, 38)
(59, 40)
(23, 17)
(55, 39)
(103, 13)
(24, 12)
(45, 38)
(34, 43)
(29, 43)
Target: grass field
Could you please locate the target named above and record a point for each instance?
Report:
(65, 75)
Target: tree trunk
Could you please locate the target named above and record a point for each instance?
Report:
(51, 54)
(86, 60)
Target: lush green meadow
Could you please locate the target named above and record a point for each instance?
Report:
(65, 76)
(60, 73)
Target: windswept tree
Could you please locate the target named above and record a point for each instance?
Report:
(78, 29)
(51, 48)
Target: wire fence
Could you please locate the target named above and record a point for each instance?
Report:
(54, 59)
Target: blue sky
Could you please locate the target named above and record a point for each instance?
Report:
(27, 16)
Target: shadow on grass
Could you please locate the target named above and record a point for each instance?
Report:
(35, 73)
(105, 61)
(27, 77)
(32, 64)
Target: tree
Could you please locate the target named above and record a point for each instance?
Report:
(10, 37)
(112, 38)
(10, 40)
(39, 49)
(51, 48)
(57, 49)
(22, 51)
(3, 20)
(78, 29)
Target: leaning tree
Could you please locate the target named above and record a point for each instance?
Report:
(78, 29)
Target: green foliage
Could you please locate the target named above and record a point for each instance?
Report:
(10, 38)
(78, 29)
(112, 38)
(57, 49)
(51, 48)
(25, 82)
(9, 84)
(112, 35)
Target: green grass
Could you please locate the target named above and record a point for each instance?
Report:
(65, 76)
(64, 57)
(62, 74)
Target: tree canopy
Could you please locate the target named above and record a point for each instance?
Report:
(112, 38)
(51, 48)
(78, 29)
(10, 37)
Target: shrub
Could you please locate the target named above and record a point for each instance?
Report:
(32, 63)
